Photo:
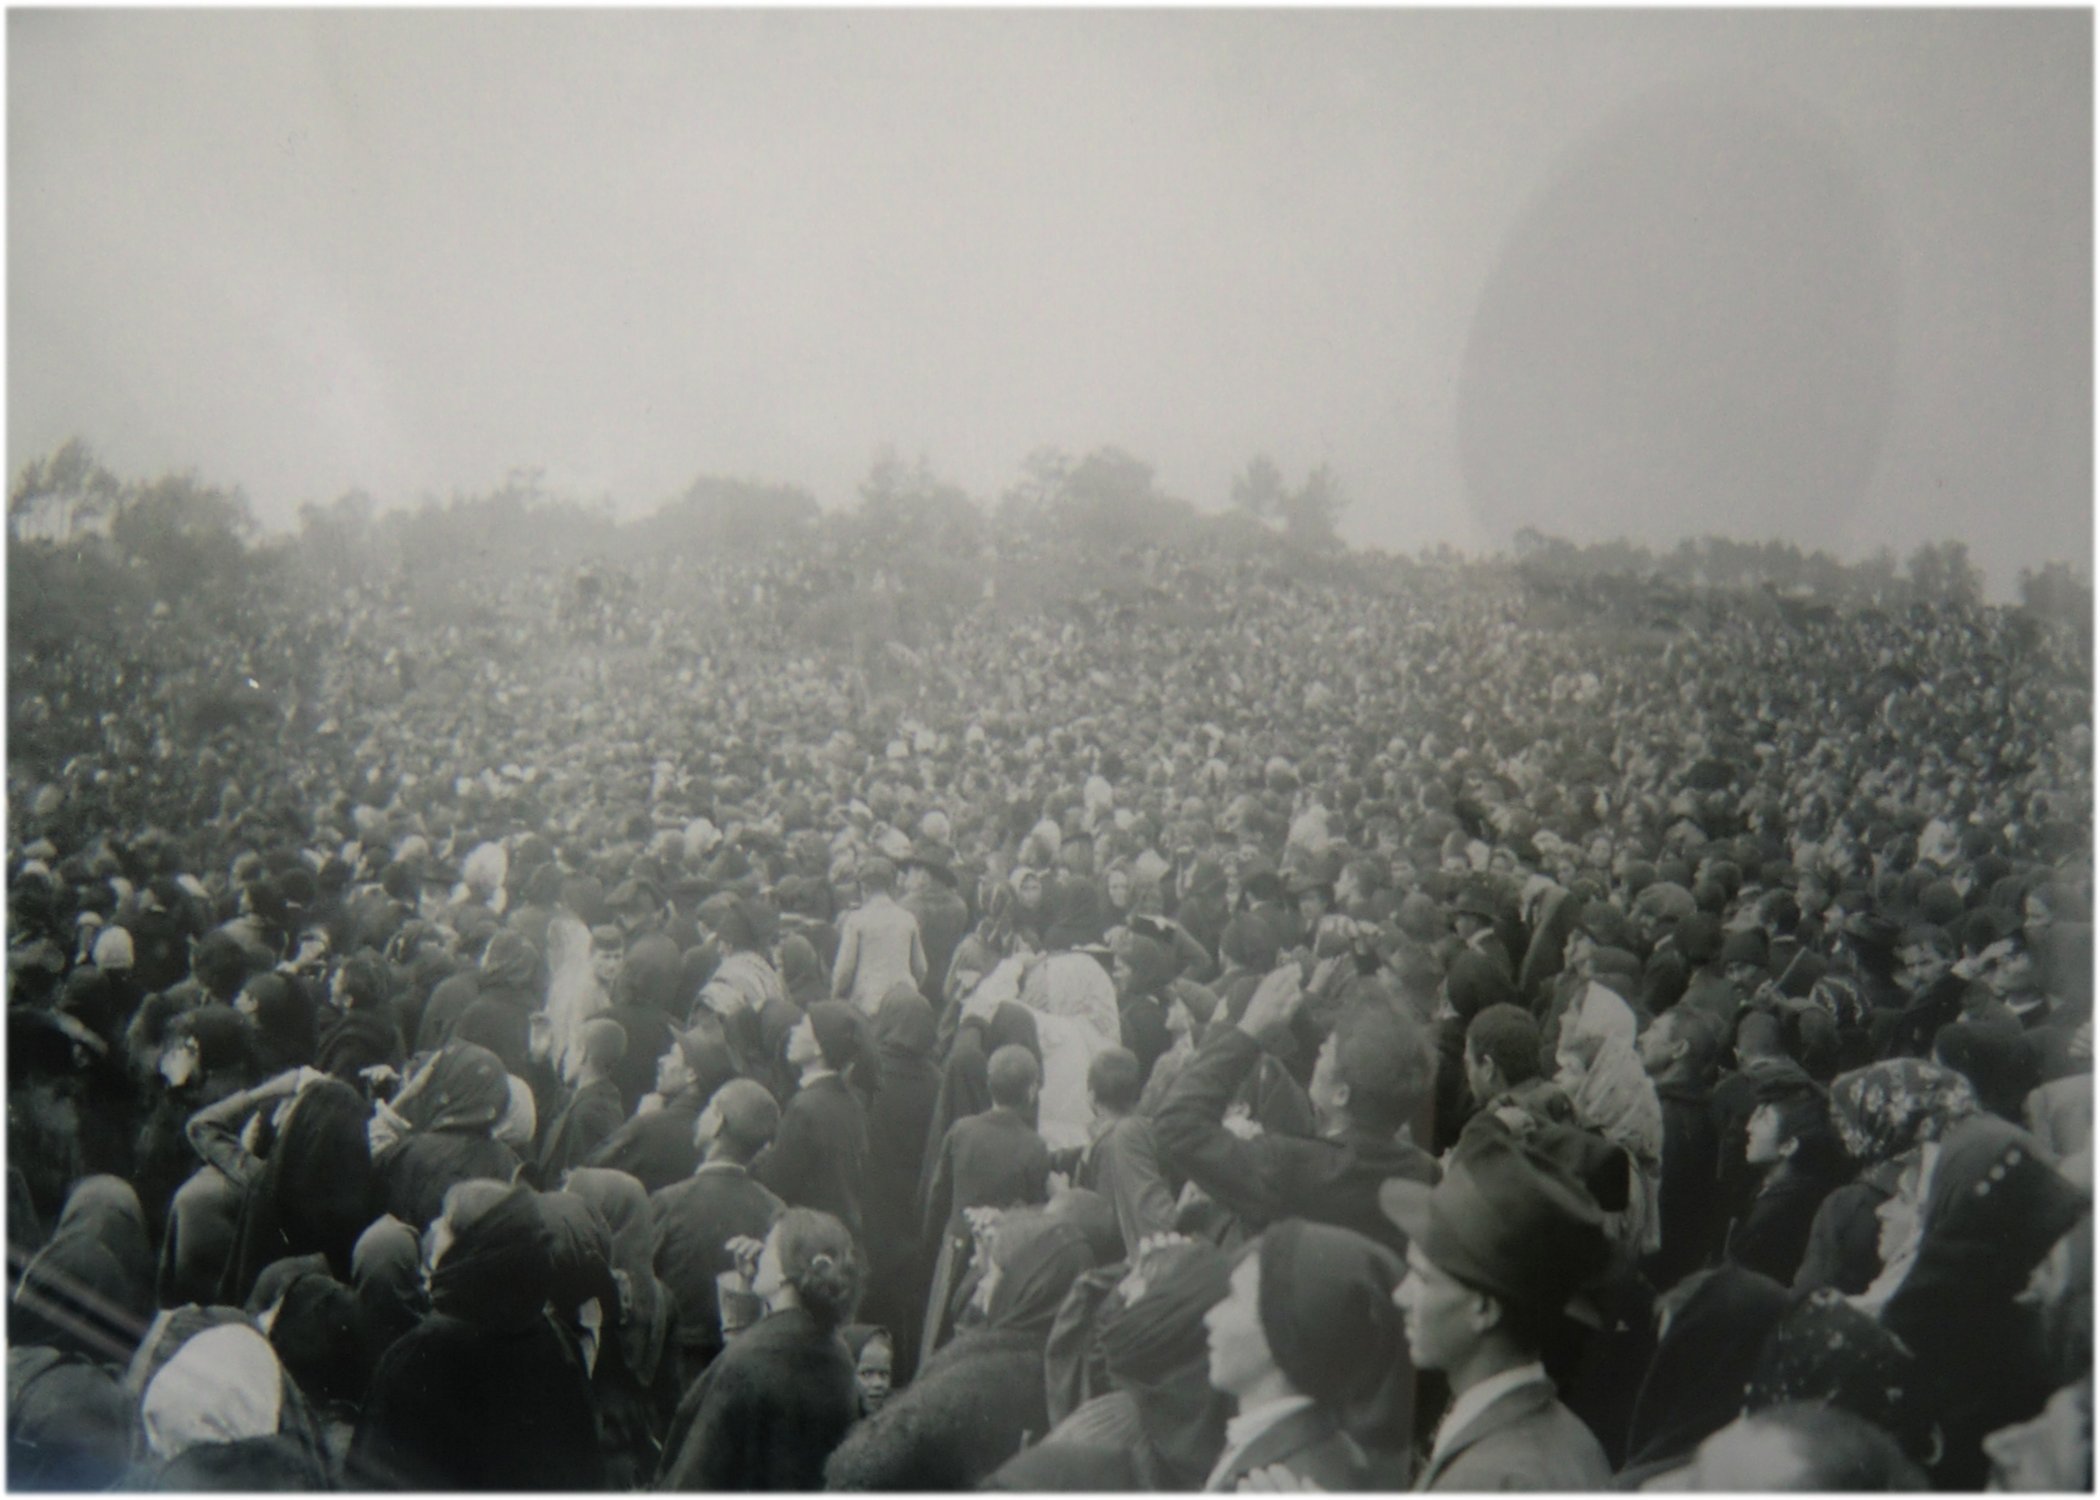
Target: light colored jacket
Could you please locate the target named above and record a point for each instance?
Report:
(879, 945)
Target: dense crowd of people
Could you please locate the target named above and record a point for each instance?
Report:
(1248, 1031)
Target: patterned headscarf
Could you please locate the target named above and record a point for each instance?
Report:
(1888, 1108)
(1828, 1352)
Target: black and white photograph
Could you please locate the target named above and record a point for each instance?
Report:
(1099, 750)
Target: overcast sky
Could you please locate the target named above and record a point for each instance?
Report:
(1825, 276)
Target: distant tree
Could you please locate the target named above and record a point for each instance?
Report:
(734, 517)
(62, 495)
(1312, 511)
(913, 506)
(1943, 572)
(1258, 490)
(2058, 595)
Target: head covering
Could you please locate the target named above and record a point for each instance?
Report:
(500, 1268)
(285, 1022)
(510, 963)
(386, 1270)
(624, 1204)
(1326, 1306)
(113, 952)
(467, 1089)
(1993, 1209)
(1039, 1258)
(1157, 1351)
(580, 1244)
(1828, 1352)
(90, 1289)
(904, 1025)
(323, 1339)
(1695, 1384)
(70, 1423)
(650, 974)
(802, 972)
(1887, 1109)
(223, 1386)
(1998, 1062)
(841, 1033)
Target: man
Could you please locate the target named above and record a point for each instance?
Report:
(1678, 1050)
(595, 1110)
(1473, 919)
(879, 943)
(1370, 1079)
(696, 1219)
(1501, 1066)
(1495, 1252)
(820, 1159)
(1301, 1340)
(656, 1146)
(1121, 1161)
(943, 917)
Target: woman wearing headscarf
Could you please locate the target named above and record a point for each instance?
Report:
(484, 1394)
(898, 1118)
(981, 1398)
(510, 991)
(635, 1377)
(1993, 1208)
(320, 1333)
(386, 1272)
(206, 1055)
(283, 1015)
(774, 1404)
(1998, 1061)
(1715, 1327)
(646, 1002)
(221, 1415)
(439, 1130)
(1885, 1114)
(89, 1291)
(363, 1033)
(1827, 1352)
(802, 972)
(1162, 1427)
(1602, 1075)
(70, 1423)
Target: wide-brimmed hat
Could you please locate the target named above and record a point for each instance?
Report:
(931, 856)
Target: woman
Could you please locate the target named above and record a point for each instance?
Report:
(982, 1397)
(89, 1291)
(386, 1272)
(1715, 1325)
(440, 1131)
(635, 1378)
(1828, 1352)
(1163, 1426)
(484, 1393)
(898, 1119)
(363, 1033)
(283, 1016)
(874, 1365)
(1603, 1076)
(775, 1403)
(221, 1415)
(206, 1054)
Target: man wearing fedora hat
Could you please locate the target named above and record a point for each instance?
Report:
(1496, 1251)
(944, 918)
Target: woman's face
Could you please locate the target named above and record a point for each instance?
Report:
(873, 1372)
(1118, 889)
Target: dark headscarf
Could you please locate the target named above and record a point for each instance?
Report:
(1326, 1303)
(316, 1193)
(1158, 1352)
(499, 1271)
(1998, 1061)
(90, 1289)
(468, 1090)
(1035, 1275)
(285, 1022)
(70, 1425)
(1827, 1352)
(643, 1316)
(1994, 1208)
(580, 1242)
(904, 1028)
(651, 974)
(802, 972)
(386, 1269)
(511, 966)
(1696, 1382)
(324, 1339)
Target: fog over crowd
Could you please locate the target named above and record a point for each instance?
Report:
(1065, 993)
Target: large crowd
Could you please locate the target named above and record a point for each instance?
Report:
(1247, 1029)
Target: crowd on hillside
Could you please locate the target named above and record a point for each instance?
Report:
(1249, 1032)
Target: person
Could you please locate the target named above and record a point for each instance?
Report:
(769, 1412)
(697, 1220)
(1802, 1449)
(440, 1130)
(1369, 1079)
(2051, 1451)
(484, 1394)
(1306, 1343)
(1496, 1251)
(1715, 1325)
(645, 992)
(980, 1398)
(930, 895)
(636, 1378)
(1678, 1051)
(898, 1119)
(879, 942)
(1121, 1161)
(363, 1033)
(89, 1291)
(819, 1159)
(1791, 1141)
(222, 1415)
(874, 1364)
(657, 1147)
(594, 1111)
(386, 1272)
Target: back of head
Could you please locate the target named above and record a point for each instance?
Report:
(1384, 1056)
(1803, 1448)
(604, 1042)
(818, 1259)
(1508, 1037)
(1012, 1074)
(1115, 1080)
(750, 1117)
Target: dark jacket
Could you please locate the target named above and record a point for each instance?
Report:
(1773, 1236)
(1310, 1446)
(972, 1407)
(591, 1117)
(695, 1221)
(992, 1160)
(656, 1149)
(1276, 1177)
(820, 1157)
(419, 1169)
(1691, 1234)
(1844, 1242)
(944, 920)
(768, 1413)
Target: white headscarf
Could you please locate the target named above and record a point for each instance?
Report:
(222, 1386)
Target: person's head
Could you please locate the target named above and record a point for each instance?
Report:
(878, 877)
(1924, 954)
(1028, 888)
(464, 1205)
(1759, 1034)
(740, 1121)
(1013, 1076)
(874, 1366)
(1502, 1051)
(674, 1074)
(1308, 1312)
(363, 982)
(604, 1044)
(1678, 1045)
(1799, 1448)
(809, 1262)
(1790, 1127)
(1373, 1070)
(1114, 1081)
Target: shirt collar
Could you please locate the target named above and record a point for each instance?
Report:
(1475, 1399)
(818, 1075)
(1242, 1430)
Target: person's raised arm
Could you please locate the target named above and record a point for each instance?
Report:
(1190, 1125)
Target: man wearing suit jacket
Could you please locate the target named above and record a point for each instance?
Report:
(820, 1157)
(1495, 1252)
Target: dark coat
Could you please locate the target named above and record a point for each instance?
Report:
(992, 1160)
(768, 1413)
(1691, 1233)
(648, 1038)
(1310, 1446)
(419, 1169)
(1844, 1242)
(695, 1221)
(1773, 1236)
(656, 1149)
(944, 920)
(973, 1406)
(591, 1117)
(820, 1157)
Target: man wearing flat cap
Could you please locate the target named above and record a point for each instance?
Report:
(1496, 1251)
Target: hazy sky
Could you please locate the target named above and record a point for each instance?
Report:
(1820, 275)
